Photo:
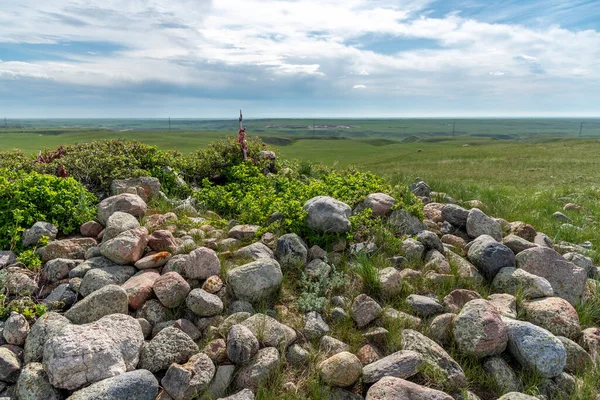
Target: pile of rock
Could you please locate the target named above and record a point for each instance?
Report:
(147, 310)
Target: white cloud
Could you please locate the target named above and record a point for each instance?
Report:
(312, 46)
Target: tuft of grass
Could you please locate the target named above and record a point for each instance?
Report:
(364, 266)
(589, 310)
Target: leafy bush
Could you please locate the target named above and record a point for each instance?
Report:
(252, 197)
(26, 198)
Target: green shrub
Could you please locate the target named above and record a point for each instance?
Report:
(26, 198)
(251, 197)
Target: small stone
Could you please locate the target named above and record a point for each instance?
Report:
(171, 289)
(554, 314)
(489, 256)
(314, 326)
(291, 251)
(127, 247)
(204, 304)
(39, 230)
(327, 214)
(401, 364)
(480, 224)
(391, 281)
(440, 328)
(502, 374)
(162, 240)
(578, 360)
(261, 367)
(139, 385)
(10, 365)
(243, 232)
(33, 384)
(242, 345)
(479, 331)
(139, 287)
(170, 345)
(505, 304)
(16, 329)
(297, 355)
(364, 310)
(185, 381)
(368, 354)
(213, 284)
(391, 388)
(269, 331)
(155, 260)
(342, 369)
(256, 280)
(91, 229)
(424, 306)
(331, 345)
(202, 263)
(457, 298)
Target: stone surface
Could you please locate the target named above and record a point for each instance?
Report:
(391, 281)
(517, 244)
(489, 256)
(390, 388)
(424, 306)
(117, 223)
(261, 367)
(317, 269)
(535, 348)
(430, 240)
(269, 331)
(243, 232)
(204, 304)
(171, 289)
(291, 251)
(505, 304)
(455, 215)
(61, 298)
(153, 311)
(502, 374)
(244, 394)
(479, 330)
(73, 249)
(79, 355)
(10, 365)
(111, 299)
(440, 328)
(368, 354)
(480, 224)
(20, 284)
(135, 385)
(139, 287)
(380, 204)
(33, 384)
(242, 345)
(331, 345)
(456, 299)
(553, 314)
(342, 369)
(517, 396)
(364, 310)
(125, 202)
(255, 251)
(59, 269)
(91, 229)
(256, 280)
(148, 188)
(314, 326)
(514, 280)
(403, 222)
(170, 345)
(43, 329)
(162, 240)
(401, 364)
(567, 279)
(202, 263)
(433, 354)
(186, 381)
(127, 247)
(578, 360)
(15, 330)
(327, 214)
(7, 258)
(155, 260)
(98, 278)
(40, 229)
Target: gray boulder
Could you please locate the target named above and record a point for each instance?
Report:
(480, 224)
(111, 299)
(32, 236)
(10, 365)
(244, 394)
(98, 278)
(401, 364)
(7, 258)
(517, 244)
(15, 330)
(314, 326)
(80, 355)
(424, 306)
(186, 381)
(413, 250)
(364, 310)
(42, 330)
(33, 384)
(455, 215)
(135, 385)
(291, 251)
(204, 304)
(403, 222)
(170, 345)
(254, 251)
(567, 279)
(202, 263)
(256, 280)
(489, 256)
(390, 388)
(269, 331)
(502, 374)
(127, 247)
(327, 214)
(535, 348)
(74, 249)
(381, 204)
(261, 367)
(59, 269)
(125, 202)
(479, 330)
(513, 280)
(242, 345)
(117, 223)
(147, 187)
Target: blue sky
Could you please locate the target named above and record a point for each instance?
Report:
(299, 58)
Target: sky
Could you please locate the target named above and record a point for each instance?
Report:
(299, 58)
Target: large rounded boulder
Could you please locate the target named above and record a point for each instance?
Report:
(479, 330)
(327, 214)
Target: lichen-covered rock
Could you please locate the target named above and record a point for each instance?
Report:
(433, 354)
(517, 244)
(381, 204)
(391, 281)
(330, 345)
(505, 304)
(111, 299)
(135, 385)
(327, 214)
(535, 348)
(73, 249)
(139, 287)
(261, 367)
(424, 306)
(364, 310)
(513, 280)
(502, 374)
(314, 326)
(43, 329)
(171, 345)
(98, 278)
(567, 279)
(455, 215)
(117, 223)
(489, 256)
(185, 381)
(16, 328)
(79, 355)
(403, 222)
(578, 359)
(554, 314)
(10, 365)
(7, 258)
(39, 230)
(155, 260)
(33, 384)
(401, 364)
(154, 312)
(127, 247)
(243, 232)
(291, 251)
(242, 345)
(440, 328)
(204, 304)
(342, 369)
(456, 299)
(390, 388)
(59, 269)
(479, 330)
(480, 224)
(254, 251)
(256, 280)
(412, 249)
(171, 289)
(269, 331)
(202, 263)
(125, 202)
(162, 240)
